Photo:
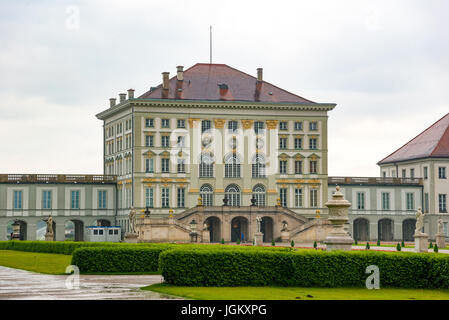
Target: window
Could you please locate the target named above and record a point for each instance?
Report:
(313, 126)
(149, 141)
(283, 166)
(259, 195)
(149, 200)
(258, 127)
(232, 126)
(149, 165)
(258, 166)
(111, 232)
(102, 199)
(181, 197)
(181, 123)
(165, 165)
(403, 173)
(283, 196)
(282, 143)
(442, 172)
(410, 201)
(205, 125)
(384, 174)
(232, 193)
(298, 197)
(442, 203)
(232, 166)
(165, 197)
(283, 125)
(206, 167)
(361, 200)
(165, 123)
(298, 143)
(412, 173)
(298, 125)
(313, 166)
(206, 193)
(149, 123)
(426, 174)
(165, 141)
(313, 198)
(426, 202)
(298, 167)
(385, 201)
(181, 141)
(75, 199)
(181, 166)
(95, 232)
(17, 199)
(46, 199)
(313, 143)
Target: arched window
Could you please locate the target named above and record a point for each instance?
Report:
(258, 166)
(259, 195)
(206, 194)
(232, 166)
(232, 193)
(206, 165)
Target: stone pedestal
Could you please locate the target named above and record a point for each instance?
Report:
(258, 238)
(206, 236)
(421, 242)
(440, 240)
(338, 238)
(285, 236)
(131, 237)
(49, 237)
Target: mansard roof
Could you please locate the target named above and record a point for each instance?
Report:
(431, 143)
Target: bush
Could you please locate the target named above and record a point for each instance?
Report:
(430, 245)
(222, 240)
(435, 248)
(378, 242)
(238, 241)
(273, 243)
(402, 244)
(61, 247)
(315, 245)
(292, 244)
(355, 242)
(398, 247)
(367, 246)
(301, 268)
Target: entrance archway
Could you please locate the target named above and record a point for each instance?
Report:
(214, 227)
(266, 227)
(385, 230)
(361, 229)
(408, 229)
(239, 229)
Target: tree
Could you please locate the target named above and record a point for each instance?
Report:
(367, 246)
(315, 245)
(272, 243)
(435, 248)
(292, 244)
(398, 247)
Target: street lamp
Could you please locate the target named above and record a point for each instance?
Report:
(147, 211)
(193, 233)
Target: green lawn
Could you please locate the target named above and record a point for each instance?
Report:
(48, 263)
(286, 293)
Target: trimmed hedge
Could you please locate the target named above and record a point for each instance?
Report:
(304, 268)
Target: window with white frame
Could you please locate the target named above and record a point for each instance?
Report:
(232, 166)
(298, 143)
(426, 174)
(283, 143)
(206, 193)
(181, 165)
(410, 200)
(283, 196)
(361, 200)
(18, 199)
(385, 200)
(205, 125)
(165, 123)
(165, 141)
(102, 204)
(298, 167)
(259, 127)
(149, 197)
(232, 193)
(298, 198)
(181, 197)
(283, 125)
(426, 202)
(181, 123)
(258, 166)
(233, 126)
(442, 203)
(313, 126)
(442, 172)
(149, 165)
(46, 199)
(165, 197)
(149, 123)
(312, 143)
(259, 195)
(165, 165)
(181, 141)
(298, 126)
(314, 198)
(149, 141)
(75, 199)
(206, 167)
(313, 166)
(283, 167)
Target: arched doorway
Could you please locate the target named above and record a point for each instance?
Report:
(385, 230)
(239, 229)
(361, 229)
(266, 227)
(408, 229)
(22, 231)
(102, 223)
(214, 227)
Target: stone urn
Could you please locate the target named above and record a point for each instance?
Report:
(338, 238)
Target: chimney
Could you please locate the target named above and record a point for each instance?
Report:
(130, 93)
(122, 97)
(180, 74)
(112, 102)
(165, 76)
(259, 74)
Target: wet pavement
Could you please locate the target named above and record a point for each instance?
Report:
(24, 285)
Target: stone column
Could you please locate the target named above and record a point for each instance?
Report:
(338, 238)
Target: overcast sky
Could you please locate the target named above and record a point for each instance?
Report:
(384, 63)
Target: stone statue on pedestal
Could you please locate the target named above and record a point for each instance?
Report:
(419, 222)
(284, 226)
(440, 226)
(50, 224)
(132, 220)
(259, 223)
(421, 238)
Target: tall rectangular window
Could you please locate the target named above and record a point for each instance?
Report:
(181, 141)
(149, 141)
(283, 196)
(165, 165)
(149, 165)
(283, 125)
(385, 201)
(426, 202)
(313, 143)
(361, 200)
(181, 166)
(442, 172)
(149, 123)
(181, 123)
(232, 126)
(313, 126)
(426, 174)
(102, 199)
(181, 197)
(283, 167)
(298, 143)
(410, 199)
(298, 197)
(442, 204)
(205, 125)
(149, 200)
(75, 199)
(165, 123)
(298, 167)
(298, 126)
(313, 166)
(313, 198)
(258, 127)
(18, 199)
(412, 173)
(403, 173)
(165, 141)
(46, 199)
(282, 143)
(165, 195)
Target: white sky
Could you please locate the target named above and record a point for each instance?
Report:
(384, 63)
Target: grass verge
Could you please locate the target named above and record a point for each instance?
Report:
(48, 263)
(294, 293)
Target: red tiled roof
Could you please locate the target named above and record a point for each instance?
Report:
(431, 143)
(201, 82)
